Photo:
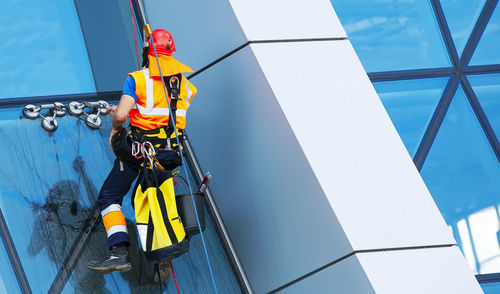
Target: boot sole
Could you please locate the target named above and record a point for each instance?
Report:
(106, 270)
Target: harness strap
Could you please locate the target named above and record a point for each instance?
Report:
(173, 84)
(169, 143)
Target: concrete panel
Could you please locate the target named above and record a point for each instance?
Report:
(287, 19)
(430, 271)
(279, 218)
(203, 30)
(354, 150)
(436, 270)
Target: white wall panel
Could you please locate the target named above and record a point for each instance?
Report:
(307, 165)
(352, 146)
(279, 219)
(203, 30)
(287, 19)
(430, 271)
(344, 277)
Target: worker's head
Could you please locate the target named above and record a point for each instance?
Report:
(164, 43)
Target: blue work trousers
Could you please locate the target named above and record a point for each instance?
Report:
(117, 185)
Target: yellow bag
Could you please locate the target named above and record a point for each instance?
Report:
(160, 228)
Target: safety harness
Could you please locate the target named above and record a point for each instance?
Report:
(163, 138)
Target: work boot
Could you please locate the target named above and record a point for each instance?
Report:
(117, 261)
(165, 272)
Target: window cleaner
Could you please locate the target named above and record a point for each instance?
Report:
(144, 102)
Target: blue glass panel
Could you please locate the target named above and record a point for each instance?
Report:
(393, 35)
(487, 88)
(43, 193)
(410, 104)
(48, 184)
(42, 49)
(462, 172)
(461, 16)
(487, 48)
(8, 281)
(491, 288)
(108, 32)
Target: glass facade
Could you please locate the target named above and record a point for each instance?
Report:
(410, 104)
(460, 161)
(108, 32)
(42, 49)
(393, 35)
(47, 194)
(487, 49)
(491, 288)
(49, 182)
(487, 89)
(461, 16)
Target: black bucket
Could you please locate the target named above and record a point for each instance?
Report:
(186, 212)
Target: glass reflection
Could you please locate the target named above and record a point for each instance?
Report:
(487, 48)
(47, 188)
(49, 184)
(491, 288)
(108, 32)
(393, 35)
(462, 172)
(410, 104)
(42, 49)
(487, 88)
(461, 16)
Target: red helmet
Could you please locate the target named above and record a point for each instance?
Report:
(164, 42)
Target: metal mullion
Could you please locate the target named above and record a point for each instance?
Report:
(21, 101)
(436, 121)
(139, 16)
(482, 69)
(477, 32)
(488, 278)
(411, 74)
(15, 262)
(481, 116)
(445, 31)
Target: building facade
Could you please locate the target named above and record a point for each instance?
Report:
(436, 68)
(311, 199)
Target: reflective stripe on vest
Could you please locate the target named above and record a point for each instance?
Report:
(160, 111)
(151, 110)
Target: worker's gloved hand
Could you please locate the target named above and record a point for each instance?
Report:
(114, 132)
(111, 109)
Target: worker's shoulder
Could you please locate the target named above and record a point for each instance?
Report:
(143, 71)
